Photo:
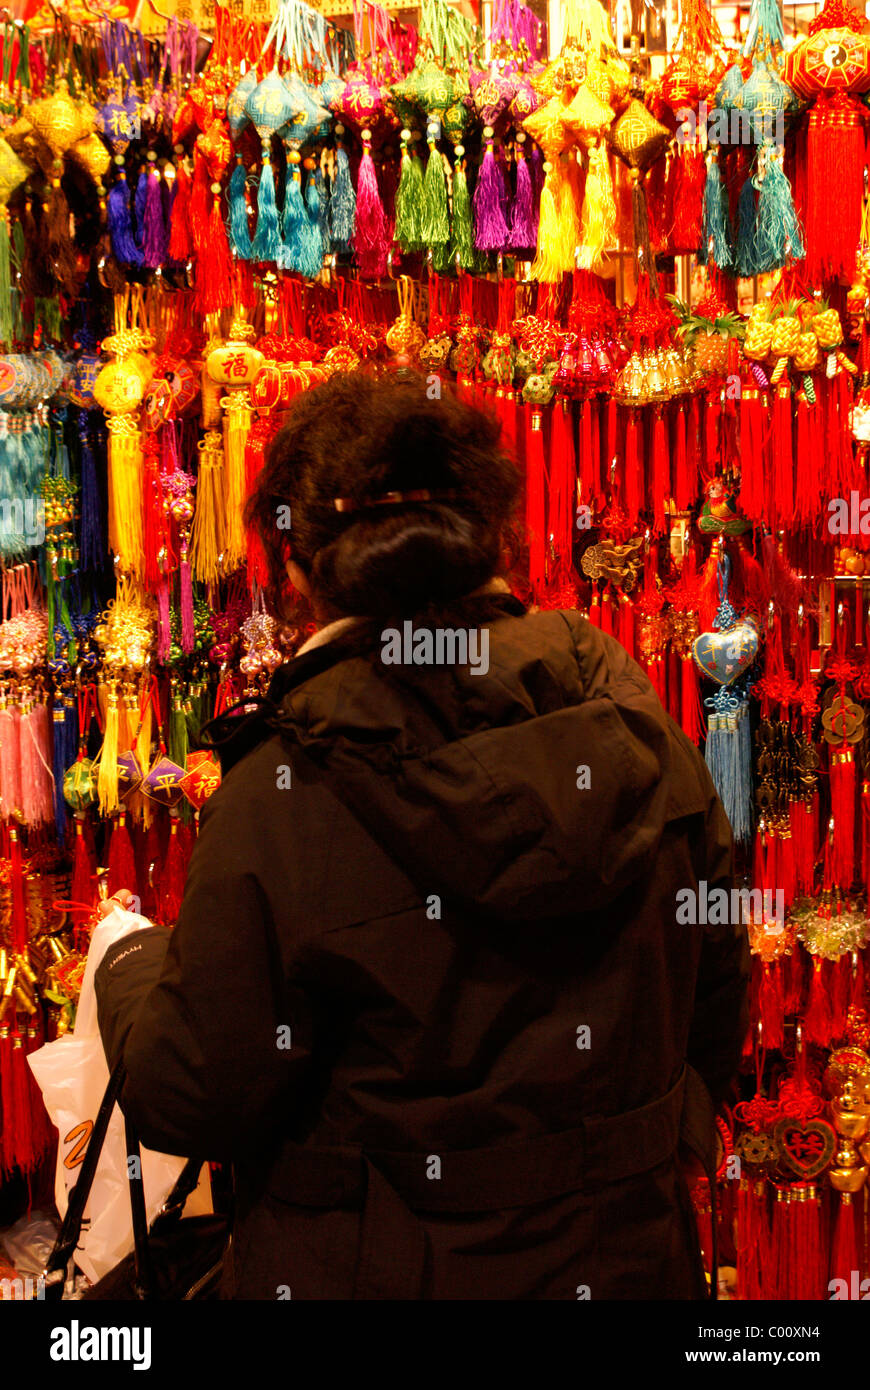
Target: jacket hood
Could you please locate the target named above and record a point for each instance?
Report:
(535, 788)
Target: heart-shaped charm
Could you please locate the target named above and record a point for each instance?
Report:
(807, 1148)
(723, 656)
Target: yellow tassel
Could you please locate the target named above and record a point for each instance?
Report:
(598, 221)
(107, 772)
(143, 757)
(125, 492)
(557, 226)
(237, 423)
(208, 533)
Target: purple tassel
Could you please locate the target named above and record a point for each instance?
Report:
(490, 228)
(154, 238)
(536, 159)
(522, 236)
(187, 634)
(164, 635)
(139, 206)
(120, 226)
(91, 547)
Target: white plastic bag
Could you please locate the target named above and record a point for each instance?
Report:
(72, 1074)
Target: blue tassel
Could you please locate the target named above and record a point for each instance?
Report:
(240, 235)
(139, 202)
(746, 251)
(323, 195)
(342, 202)
(120, 222)
(91, 548)
(778, 236)
(728, 755)
(717, 224)
(304, 253)
(266, 245)
(314, 235)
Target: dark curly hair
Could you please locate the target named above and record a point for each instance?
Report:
(357, 437)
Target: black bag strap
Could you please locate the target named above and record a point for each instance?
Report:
(71, 1226)
(144, 1282)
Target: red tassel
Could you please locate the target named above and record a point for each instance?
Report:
(82, 889)
(19, 908)
(751, 1240)
(688, 225)
(770, 1005)
(180, 243)
(835, 187)
(794, 980)
(808, 473)
(626, 625)
(684, 484)
(817, 1018)
(783, 473)
(843, 811)
(18, 1148)
(661, 477)
(172, 878)
(633, 478)
(536, 516)
(752, 482)
(121, 862)
(213, 272)
(563, 480)
(607, 612)
(844, 1253)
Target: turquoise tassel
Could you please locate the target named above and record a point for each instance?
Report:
(717, 223)
(342, 202)
(266, 245)
(240, 235)
(778, 236)
(746, 252)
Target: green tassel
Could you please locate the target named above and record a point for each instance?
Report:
(778, 235)
(436, 219)
(716, 220)
(409, 204)
(5, 280)
(746, 254)
(19, 251)
(462, 244)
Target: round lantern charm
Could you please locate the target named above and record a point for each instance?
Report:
(234, 364)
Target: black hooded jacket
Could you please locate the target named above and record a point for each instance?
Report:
(428, 990)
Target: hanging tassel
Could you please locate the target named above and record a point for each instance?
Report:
(36, 772)
(746, 218)
(409, 201)
(751, 1237)
(172, 878)
(237, 423)
(207, 535)
(5, 278)
(120, 222)
(215, 280)
(267, 244)
(107, 776)
(126, 537)
(661, 482)
(844, 1252)
(240, 233)
(835, 187)
(315, 246)
(817, 1016)
(842, 847)
(435, 217)
(490, 228)
(783, 473)
(10, 761)
(84, 865)
(717, 222)
(691, 709)
(777, 237)
(187, 626)
(598, 217)
(536, 520)
(91, 542)
(342, 202)
(462, 243)
(688, 225)
(121, 861)
(180, 247)
(521, 237)
(633, 479)
(370, 230)
(154, 232)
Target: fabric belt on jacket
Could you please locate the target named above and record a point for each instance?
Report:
(390, 1186)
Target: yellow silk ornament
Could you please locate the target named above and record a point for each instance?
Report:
(587, 118)
(547, 127)
(13, 172)
(92, 155)
(637, 137)
(58, 120)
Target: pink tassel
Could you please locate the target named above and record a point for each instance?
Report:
(10, 761)
(37, 792)
(187, 634)
(370, 230)
(164, 635)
